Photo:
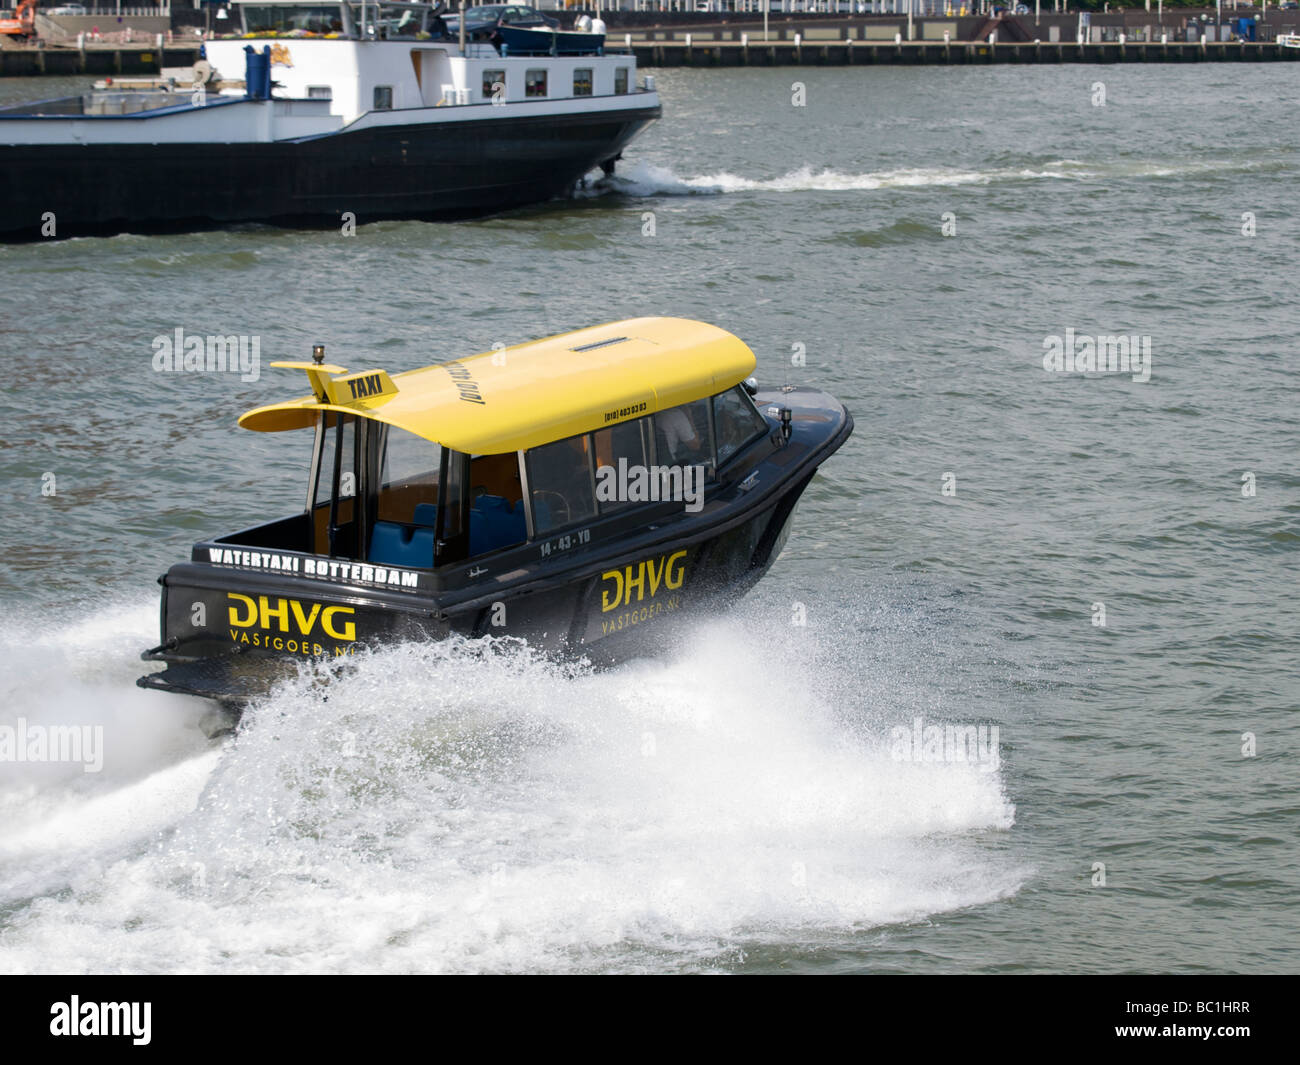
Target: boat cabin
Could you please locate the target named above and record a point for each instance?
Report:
(538, 448)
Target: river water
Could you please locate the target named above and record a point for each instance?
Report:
(1101, 567)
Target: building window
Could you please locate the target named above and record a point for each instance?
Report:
(535, 83)
(494, 81)
(620, 80)
(319, 92)
(582, 81)
(383, 97)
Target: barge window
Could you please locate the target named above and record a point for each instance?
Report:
(736, 422)
(582, 81)
(494, 81)
(620, 80)
(561, 483)
(535, 83)
(383, 97)
(307, 19)
(682, 436)
(626, 443)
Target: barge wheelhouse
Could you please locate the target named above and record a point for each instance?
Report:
(584, 492)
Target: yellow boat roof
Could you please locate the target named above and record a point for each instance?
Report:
(529, 394)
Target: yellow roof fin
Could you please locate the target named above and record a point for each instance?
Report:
(318, 373)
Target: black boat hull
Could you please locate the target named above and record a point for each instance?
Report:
(435, 171)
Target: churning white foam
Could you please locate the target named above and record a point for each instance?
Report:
(645, 179)
(470, 806)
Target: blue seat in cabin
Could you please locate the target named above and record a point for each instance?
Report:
(500, 525)
(395, 543)
(541, 513)
(493, 524)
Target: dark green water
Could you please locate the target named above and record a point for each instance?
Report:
(735, 807)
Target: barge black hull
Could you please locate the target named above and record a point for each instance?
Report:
(436, 172)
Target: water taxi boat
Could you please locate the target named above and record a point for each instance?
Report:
(322, 114)
(585, 493)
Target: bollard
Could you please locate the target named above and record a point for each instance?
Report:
(688, 40)
(627, 40)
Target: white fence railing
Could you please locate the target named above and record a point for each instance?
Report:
(104, 10)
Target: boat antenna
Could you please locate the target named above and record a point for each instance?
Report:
(318, 353)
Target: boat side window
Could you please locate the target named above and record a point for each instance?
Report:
(560, 483)
(319, 92)
(736, 421)
(582, 81)
(408, 477)
(625, 444)
(535, 83)
(620, 81)
(383, 97)
(346, 456)
(491, 79)
(334, 530)
(496, 516)
(682, 436)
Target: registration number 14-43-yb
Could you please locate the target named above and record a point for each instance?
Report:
(568, 540)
